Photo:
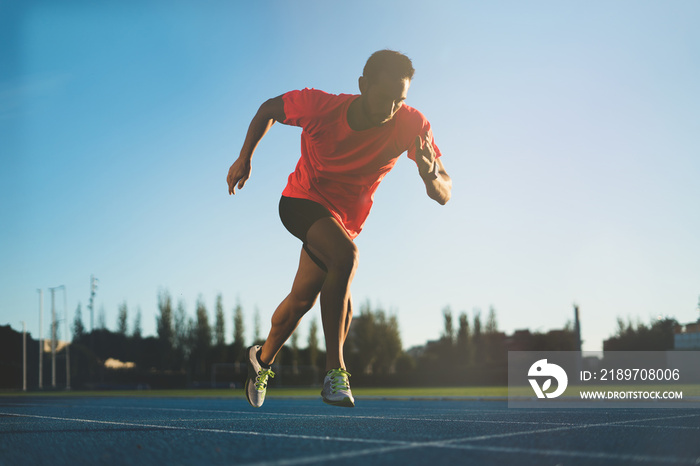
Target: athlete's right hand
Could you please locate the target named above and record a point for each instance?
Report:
(238, 174)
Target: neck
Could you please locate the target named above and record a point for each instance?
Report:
(357, 118)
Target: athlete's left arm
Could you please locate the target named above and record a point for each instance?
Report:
(438, 183)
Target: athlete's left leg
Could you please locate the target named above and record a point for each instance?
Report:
(348, 320)
(305, 290)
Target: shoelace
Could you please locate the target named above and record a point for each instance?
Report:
(339, 379)
(261, 379)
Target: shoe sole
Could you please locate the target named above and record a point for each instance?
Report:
(247, 396)
(344, 403)
(251, 377)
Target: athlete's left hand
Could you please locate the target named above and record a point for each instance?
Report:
(425, 155)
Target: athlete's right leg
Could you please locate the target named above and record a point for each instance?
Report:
(307, 285)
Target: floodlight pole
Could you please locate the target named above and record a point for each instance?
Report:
(578, 342)
(54, 335)
(93, 289)
(24, 357)
(577, 328)
(41, 337)
(53, 338)
(92, 298)
(65, 312)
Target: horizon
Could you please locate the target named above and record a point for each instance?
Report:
(249, 331)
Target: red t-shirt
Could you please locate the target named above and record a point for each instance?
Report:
(341, 168)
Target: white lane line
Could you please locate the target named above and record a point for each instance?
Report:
(218, 431)
(252, 419)
(570, 427)
(494, 449)
(265, 414)
(262, 412)
(250, 416)
(655, 459)
(399, 445)
(498, 449)
(666, 427)
(381, 418)
(334, 456)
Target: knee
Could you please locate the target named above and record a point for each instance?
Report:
(345, 259)
(301, 304)
(292, 309)
(300, 301)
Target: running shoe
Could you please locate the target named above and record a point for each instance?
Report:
(336, 389)
(256, 383)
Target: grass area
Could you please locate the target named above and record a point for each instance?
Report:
(408, 392)
(433, 392)
(500, 392)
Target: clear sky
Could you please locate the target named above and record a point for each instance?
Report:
(570, 131)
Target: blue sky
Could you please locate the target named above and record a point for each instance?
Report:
(570, 132)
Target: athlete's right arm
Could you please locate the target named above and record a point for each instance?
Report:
(269, 112)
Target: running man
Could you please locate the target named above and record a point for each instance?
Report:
(348, 144)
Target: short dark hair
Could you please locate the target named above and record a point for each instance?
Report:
(396, 64)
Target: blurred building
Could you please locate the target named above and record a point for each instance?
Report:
(687, 337)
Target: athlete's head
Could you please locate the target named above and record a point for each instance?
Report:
(395, 64)
(384, 84)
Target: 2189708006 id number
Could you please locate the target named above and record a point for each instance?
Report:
(605, 375)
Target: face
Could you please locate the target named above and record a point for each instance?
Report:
(382, 97)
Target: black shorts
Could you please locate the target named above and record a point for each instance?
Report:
(298, 215)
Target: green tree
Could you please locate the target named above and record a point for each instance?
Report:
(657, 336)
(202, 340)
(180, 333)
(102, 319)
(122, 316)
(449, 331)
(374, 342)
(295, 352)
(313, 343)
(78, 327)
(477, 339)
(182, 336)
(463, 341)
(220, 332)
(136, 331)
(164, 321)
(203, 328)
(238, 332)
(164, 328)
(390, 347)
(495, 350)
(257, 338)
(491, 323)
(445, 350)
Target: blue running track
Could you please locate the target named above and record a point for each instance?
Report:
(300, 431)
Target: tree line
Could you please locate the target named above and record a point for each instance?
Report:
(186, 347)
(192, 350)
(658, 335)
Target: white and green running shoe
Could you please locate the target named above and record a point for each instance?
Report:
(256, 383)
(336, 389)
